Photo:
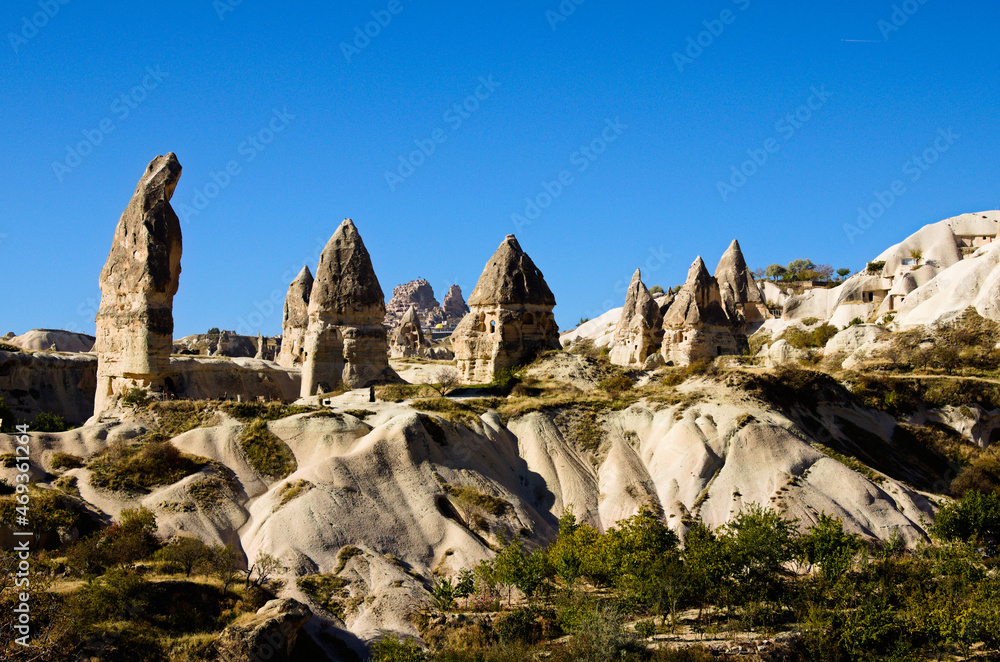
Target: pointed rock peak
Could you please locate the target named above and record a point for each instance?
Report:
(732, 259)
(510, 277)
(733, 270)
(345, 278)
(637, 276)
(698, 273)
(411, 317)
(161, 176)
(305, 276)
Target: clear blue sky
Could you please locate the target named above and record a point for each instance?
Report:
(681, 128)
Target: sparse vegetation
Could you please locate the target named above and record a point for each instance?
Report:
(472, 498)
(812, 339)
(266, 453)
(290, 491)
(327, 591)
(137, 467)
(62, 461)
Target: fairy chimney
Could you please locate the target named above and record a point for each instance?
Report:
(408, 338)
(741, 296)
(345, 344)
(135, 321)
(696, 324)
(295, 320)
(510, 319)
(639, 333)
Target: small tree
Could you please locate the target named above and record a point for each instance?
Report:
(446, 379)
(225, 564)
(187, 553)
(656, 289)
(443, 592)
(917, 255)
(775, 271)
(214, 331)
(265, 566)
(466, 585)
(843, 273)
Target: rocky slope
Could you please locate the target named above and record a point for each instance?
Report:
(378, 495)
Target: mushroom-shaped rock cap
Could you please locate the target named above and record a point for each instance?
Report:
(345, 279)
(510, 277)
(733, 270)
(146, 250)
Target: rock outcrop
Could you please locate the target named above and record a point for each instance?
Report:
(295, 321)
(696, 325)
(408, 338)
(417, 293)
(135, 320)
(453, 305)
(639, 332)
(345, 341)
(270, 634)
(510, 319)
(64, 341)
(742, 298)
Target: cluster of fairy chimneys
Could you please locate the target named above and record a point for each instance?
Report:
(333, 321)
(710, 316)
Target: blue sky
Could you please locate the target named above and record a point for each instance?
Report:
(615, 123)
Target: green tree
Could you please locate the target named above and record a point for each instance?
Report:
(801, 264)
(775, 271)
(828, 546)
(973, 517)
(843, 273)
(188, 553)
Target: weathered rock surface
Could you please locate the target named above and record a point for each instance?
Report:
(62, 384)
(742, 298)
(696, 326)
(639, 332)
(216, 344)
(43, 339)
(270, 634)
(510, 320)
(295, 321)
(345, 343)
(417, 293)
(408, 338)
(135, 321)
(454, 305)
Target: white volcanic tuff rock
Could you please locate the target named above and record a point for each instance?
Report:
(295, 319)
(63, 341)
(135, 321)
(973, 282)
(54, 383)
(511, 318)
(741, 296)
(942, 246)
(345, 342)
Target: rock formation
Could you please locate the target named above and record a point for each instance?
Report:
(135, 320)
(741, 296)
(418, 294)
(510, 320)
(408, 338)
(345, 341)
(454, 305)
(270, 634)
(295, 321)
(696, 325)
(639, 333)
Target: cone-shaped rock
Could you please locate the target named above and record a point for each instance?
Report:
(345, 341)
(510, 277)
(408, 338)
(295, 321)
(639, 333)
(742, 297)
(510, 319)
(135, 321)
(453, 304)
(696, 324)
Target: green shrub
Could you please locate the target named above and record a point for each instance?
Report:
(645, 629)
(48, 422)
(265, 452)
(346, 553)
(138, 467)
(136, 396)
(473, 498)
(62, 461)
(325, 590)
(394, 649)
(187, 553)
(876, 267)
(616, 385)
(812, 339)
(973, 517)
